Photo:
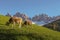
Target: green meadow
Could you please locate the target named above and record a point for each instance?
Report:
(26, 32)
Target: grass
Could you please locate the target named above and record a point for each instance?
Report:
(33, 32)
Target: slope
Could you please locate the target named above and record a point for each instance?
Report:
(33, 32)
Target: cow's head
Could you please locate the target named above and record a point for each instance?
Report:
(7, 23)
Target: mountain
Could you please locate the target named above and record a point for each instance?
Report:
(42, 17)
(26, 32)
(55, 25)
(8, 14)
(18, 14)
(56, 17)
(45, 18)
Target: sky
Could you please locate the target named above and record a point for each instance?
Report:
(30, 7)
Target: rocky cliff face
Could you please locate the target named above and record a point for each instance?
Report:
(21, 15)
(45, 18)
(42, 17)
(8, 15)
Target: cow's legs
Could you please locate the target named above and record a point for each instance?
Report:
(13, 24)
(20, 25)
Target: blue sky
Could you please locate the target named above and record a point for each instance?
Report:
(30, 7)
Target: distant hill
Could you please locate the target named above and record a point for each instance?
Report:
(54, 25)
(33, 32)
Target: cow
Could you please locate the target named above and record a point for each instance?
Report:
(15, 20)
(27, 22)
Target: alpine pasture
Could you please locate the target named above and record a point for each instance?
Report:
(26, 32)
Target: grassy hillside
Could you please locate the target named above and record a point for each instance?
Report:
(33, 32)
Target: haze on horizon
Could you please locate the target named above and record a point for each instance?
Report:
(30, 7)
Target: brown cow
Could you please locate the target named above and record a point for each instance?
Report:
(15, 20)
(27, 22)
